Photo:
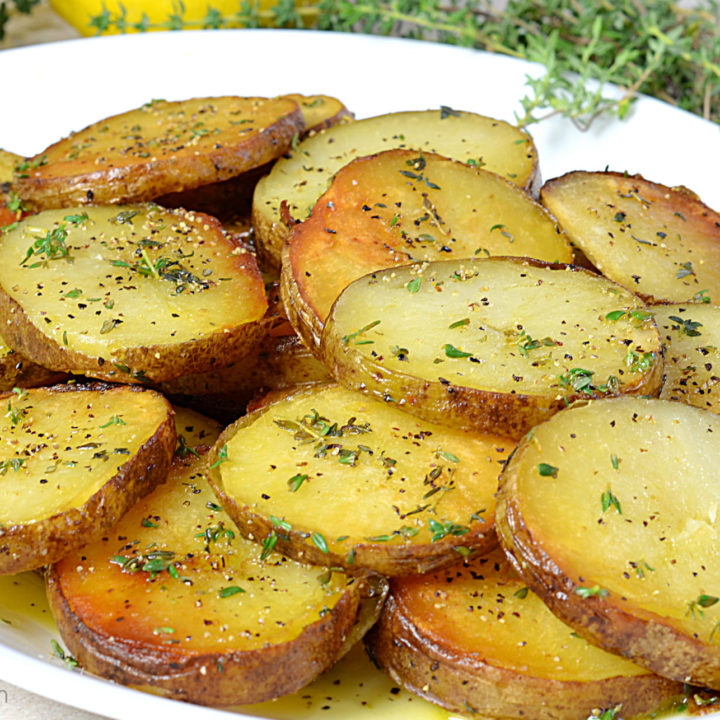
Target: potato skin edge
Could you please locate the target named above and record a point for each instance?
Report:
(468, 683)
(215, 679)
(20, 545)
(645, 638)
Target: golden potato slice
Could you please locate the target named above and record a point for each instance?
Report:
(297, 181)
(401, 206)
(609, 511)
(74, 459)
(494, 345)
(691, 335)
(133, 294)
(320, 111)
(329, 476)
(474, 639)
(194, 429)
(173, 599)
(159, 148)
(662, 243)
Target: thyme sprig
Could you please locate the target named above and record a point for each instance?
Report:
(657, 47)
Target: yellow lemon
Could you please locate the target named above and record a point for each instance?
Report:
(110, 17)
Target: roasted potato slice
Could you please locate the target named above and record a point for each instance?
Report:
(297, 181)
(161, 147)
(320, 111)
(494, 345)
(609, 511)
(662, 243)
(173, 599)
(74, 459)
(8, 162)
(401, 206)
(193, 429)
(474, 639)
(133, 294)
(691, 335)
(329, 476)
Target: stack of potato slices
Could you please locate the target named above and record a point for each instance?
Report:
(372, 340)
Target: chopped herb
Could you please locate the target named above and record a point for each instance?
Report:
(68, 659)
(447, 455)
(639, 363)
(268, 545)
(229, 591)
(319, 542)
(51, 245)
(594, 591)
(452, 352)
(547, 470)
(222, 456)
(685, 270)
(440, 530)
(146, 522)
(615, 461)
(459, 323)
(183, 449)
(346, 338)
(153, 562)
(521, 593)
(296, 481)
(11, 464)
(608, 500)
(414, 285)
(114, 420)
(688, 327)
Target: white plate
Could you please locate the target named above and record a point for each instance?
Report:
(50, 90)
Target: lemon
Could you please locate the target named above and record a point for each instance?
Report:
(110, 17)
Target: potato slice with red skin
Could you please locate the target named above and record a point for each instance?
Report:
(75, 458)
(662, 243)
(134, 294)
(333, 477)
(493, 345)
(161, 147)
(403, 206)
(172, 598)
(474, 639)
(608, 512)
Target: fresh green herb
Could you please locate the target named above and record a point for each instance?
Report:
(215, 533)
(268, 545)
(222, 456)
(686, 269)
(440, 530)
(639, 363)
(114, 420)
(229, 591)
(452, 352)
(414, 285)
(183, 449)
(146, 522)
(347, 338)
(11, 464)
(688, 327)
(594, 591)
(547, 470)
(440, 453)
(51, 245)
(699, 604)
(640, 567)
(608, 500)
(580, 380)
(526, 343)
(615, 462)
(459, 323)
(319, 541)
(68, 659)
(503, 231)
(296, 481)
(152, 562)
(521, 594)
